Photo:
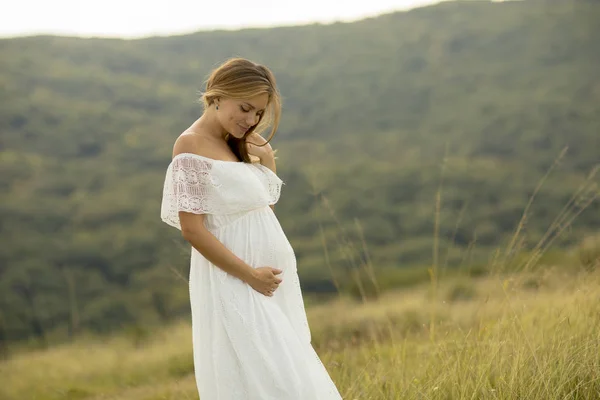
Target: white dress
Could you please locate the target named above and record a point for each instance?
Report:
(246, 346)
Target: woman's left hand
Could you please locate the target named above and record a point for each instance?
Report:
(254, 144)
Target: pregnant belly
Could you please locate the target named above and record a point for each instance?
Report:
(258, 239)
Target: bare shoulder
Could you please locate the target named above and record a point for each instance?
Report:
(202, 145)
(189, 142)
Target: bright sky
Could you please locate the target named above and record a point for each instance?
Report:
(137, 18)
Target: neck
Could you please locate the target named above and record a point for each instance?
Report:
(209, 123)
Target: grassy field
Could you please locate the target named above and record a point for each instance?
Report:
(534, 336)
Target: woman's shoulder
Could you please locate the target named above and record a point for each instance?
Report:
(192, 143)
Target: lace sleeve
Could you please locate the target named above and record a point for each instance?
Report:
(189, 186)
(272, 183)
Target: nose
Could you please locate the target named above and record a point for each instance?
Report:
(252, 120)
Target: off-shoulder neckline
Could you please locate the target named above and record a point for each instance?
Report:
(257, 165)
(208, 158)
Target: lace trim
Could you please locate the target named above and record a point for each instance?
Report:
(272, 182)
(201, 185)
(189, 186)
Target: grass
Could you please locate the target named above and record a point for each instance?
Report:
(507, 339)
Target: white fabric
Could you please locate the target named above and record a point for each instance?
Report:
(247, 346)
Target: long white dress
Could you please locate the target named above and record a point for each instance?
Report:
(246, 346)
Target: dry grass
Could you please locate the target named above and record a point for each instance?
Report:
(533, 336)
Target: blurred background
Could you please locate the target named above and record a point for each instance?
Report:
(419, 142)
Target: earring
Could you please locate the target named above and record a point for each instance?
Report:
(217, 107)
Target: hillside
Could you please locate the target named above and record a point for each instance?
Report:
(475, 98)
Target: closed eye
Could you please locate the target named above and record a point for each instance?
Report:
(245, 107)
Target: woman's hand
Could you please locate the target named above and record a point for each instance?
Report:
(265, 281)
(254, 144)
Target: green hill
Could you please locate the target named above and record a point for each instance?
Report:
(476, 98)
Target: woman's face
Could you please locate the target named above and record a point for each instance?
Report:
(237, 116)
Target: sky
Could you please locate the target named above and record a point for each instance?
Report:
(141, 18)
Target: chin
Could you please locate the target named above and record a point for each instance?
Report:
(237, 132)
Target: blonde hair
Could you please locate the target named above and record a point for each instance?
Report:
(240, 78)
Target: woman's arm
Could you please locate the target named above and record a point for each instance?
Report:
(192, 225)
(194, 231)
(263, 279)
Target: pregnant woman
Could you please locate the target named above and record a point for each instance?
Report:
(251, 339)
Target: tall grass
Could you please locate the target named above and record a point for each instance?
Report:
(511, 357)
(509, 339)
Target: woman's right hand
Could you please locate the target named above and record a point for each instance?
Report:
(264, 280)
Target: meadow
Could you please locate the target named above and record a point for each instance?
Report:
(532, 335)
